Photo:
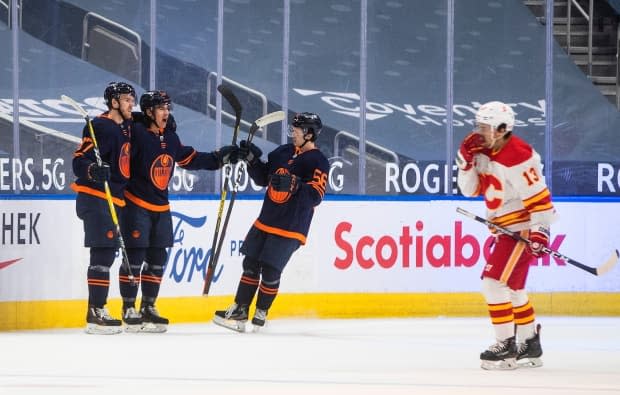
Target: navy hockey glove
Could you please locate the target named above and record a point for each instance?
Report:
(249, 152)
(539, 238)
(471, 145)
(138, 117)
(171, 124)
(99, 173)
(227, 154)
(285, 183)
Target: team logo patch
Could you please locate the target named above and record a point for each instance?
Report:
(135, 234)
(124, 160)
(279, 196)
(161, 170)
(109, 235)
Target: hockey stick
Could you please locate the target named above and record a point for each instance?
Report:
(234, 103)
(602, 269)
(266, 119)
(106, 186)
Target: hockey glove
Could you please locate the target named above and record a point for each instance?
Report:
(249, 152)
(285, 183)
(99, 173)
(471, 145)
(539, 238)
(171, 124)
(138, 117)
(227, 154)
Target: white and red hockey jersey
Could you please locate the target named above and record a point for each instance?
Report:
(512, 184)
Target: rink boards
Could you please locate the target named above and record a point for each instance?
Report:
(363, 259)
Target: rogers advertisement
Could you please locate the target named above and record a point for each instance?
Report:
(353, 247)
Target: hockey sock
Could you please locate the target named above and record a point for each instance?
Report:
(502, 319)
(498, 298)
(152, 272)
(246, 288)
(248, 282)
(524, 319)
(98, 275)
(268, 289)
(128, 290)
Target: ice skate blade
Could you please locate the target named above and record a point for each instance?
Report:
(150, 327)
(530, 363)
(506, 364)
(94, 329)
(132, 328)
(238, 326)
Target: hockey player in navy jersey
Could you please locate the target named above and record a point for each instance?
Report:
(147, 227)
(296, 176)
(112, 132)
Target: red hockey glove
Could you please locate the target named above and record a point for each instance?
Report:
(471, 145)
(285, 183)
(539, 238)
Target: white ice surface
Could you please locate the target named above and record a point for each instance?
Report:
(373, 356)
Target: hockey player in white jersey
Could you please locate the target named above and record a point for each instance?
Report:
(506, 171)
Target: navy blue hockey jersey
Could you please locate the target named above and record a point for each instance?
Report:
(114, 145)
(285, 214)
(153, 156)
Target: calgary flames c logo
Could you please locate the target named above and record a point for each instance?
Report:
(279, 196)
(161, 169)
(124, 160)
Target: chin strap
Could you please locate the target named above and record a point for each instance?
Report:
(305, 142)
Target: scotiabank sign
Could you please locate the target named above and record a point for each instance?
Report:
(425, 246)
(412, 247)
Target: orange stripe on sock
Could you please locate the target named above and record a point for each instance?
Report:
(268, 291)
(151, 279)
(249, 280)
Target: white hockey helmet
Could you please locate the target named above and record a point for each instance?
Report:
(495, 113)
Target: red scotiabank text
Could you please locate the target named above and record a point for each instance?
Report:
(418, 249)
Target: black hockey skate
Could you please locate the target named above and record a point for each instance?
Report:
(99, 322)
(152, 322)
(529, 353)
(500, 356)
(132, 319)
(233, 318)
(260, 317)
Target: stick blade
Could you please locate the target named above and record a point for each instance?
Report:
(272, 117)
(230, 97)
(609, 264)
(74, 104)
